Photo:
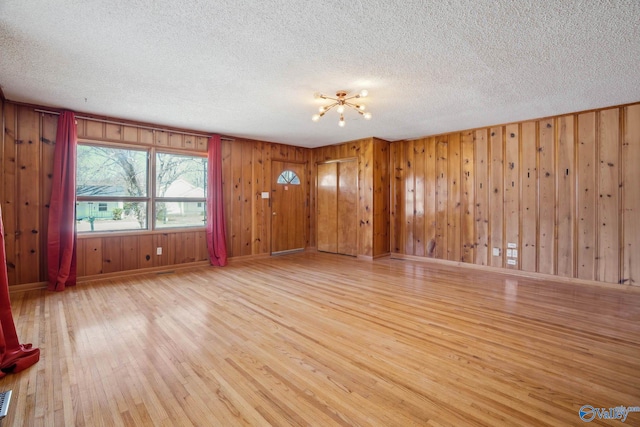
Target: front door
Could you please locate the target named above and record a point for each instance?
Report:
(288, 207)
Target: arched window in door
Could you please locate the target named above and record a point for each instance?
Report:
(288, 177)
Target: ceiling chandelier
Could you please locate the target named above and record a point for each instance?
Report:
(341, 102)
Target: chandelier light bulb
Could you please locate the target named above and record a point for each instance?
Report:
(340, 109)
(367, 116)
(364, 93)
(315, 117)
(341, 121)
(360, 107)
(321, 109)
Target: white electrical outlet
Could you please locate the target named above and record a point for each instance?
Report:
(512, 245)
(496, 252)
(511, 262)
(265, 194)
(514, 253)
(159, 250)
(509, 253)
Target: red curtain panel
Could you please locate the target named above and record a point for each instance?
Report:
(61, 240)
(14, 357)
(216, 241)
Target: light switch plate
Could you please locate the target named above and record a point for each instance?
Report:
(265, 194)
(512, 245)
(496, 252)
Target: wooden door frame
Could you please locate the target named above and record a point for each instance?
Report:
(307, 193)
(315, 214)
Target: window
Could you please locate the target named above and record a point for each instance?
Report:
(288, 177)
(114, 189)
(181, 191)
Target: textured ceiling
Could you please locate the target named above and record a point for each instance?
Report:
(250, 68)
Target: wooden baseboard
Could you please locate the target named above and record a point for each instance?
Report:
(24, 287)
(166, 268)
(517, 273)
(246, 257)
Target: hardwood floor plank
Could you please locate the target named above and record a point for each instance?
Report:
(320, 339)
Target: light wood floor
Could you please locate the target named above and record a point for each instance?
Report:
(317, 339)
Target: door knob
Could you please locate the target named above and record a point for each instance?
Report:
(273, 213)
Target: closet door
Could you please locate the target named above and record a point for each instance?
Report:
(327, 219)
(337, 207)
(348, 208)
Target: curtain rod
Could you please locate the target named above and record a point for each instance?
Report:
(139, 126)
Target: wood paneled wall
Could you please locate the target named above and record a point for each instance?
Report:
(25, 190)
(28, 143)
(27, 166)
(563, 190)
(114, 132)
(373, 191)
(246, 173)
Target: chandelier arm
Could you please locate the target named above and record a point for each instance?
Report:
(354, 106)
(357, 95)
(328, 97)
(330, 106)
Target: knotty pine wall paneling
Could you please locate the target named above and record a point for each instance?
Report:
(467, 186)
(412, 237)
(528, 196)
(112, 254)
(130, 251)
(419, 194)
(49, 123)
(587, 196)
(453, 200)
(381, 197)
(563, 189)
(512, 196)
(608, 196)
(373, 191)
(566, 206)
(23, 202)
(28, 143)
(29, 199)
(442, 196)
(99, 130)
(366, 202)
(10, 187)
(547, 198)
(27, 157)
(261, 212)
(482, 189)
(430, 198)
(246, 172)
(631, 196)
(496, 197)
(396, 229)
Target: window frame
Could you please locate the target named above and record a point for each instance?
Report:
(150, 199)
